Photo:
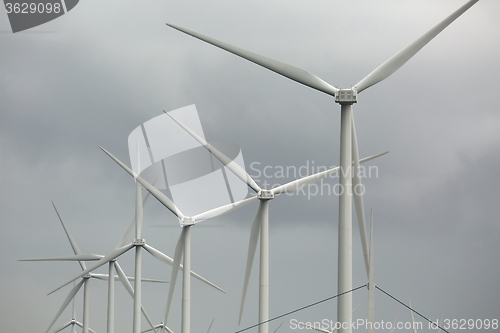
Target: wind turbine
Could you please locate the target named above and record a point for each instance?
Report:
(73, 322)
(138, 243)
(261, 221)
(348, 141)
(183, 247)
(81, 258)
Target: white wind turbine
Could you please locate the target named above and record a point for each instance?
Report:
(73, 323)
(348, 141)
(183, 247)
(138, 243)
(261, 221)
(85, 279)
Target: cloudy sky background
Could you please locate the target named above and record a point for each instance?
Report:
(91, 76)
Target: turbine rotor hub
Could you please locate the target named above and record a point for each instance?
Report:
(265, 195)
(139, 242)
(346, 96)
(187, 221)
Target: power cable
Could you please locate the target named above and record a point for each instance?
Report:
(302, 308)
(394, 298)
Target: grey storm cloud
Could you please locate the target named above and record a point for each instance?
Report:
(91, 76)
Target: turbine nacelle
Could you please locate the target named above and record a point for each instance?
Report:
(265, 195)
(187, 221)
(139, 242)
(346, 96)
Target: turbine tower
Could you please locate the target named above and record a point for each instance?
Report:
(348, 141)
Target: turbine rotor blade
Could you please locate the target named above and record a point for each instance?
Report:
(138, 212)
(358, 190)
(77, 323)
(102, 277)
(209, 327)
(399, 59)
(104, 260)
(105, 277)
(72, 241)
(412, 318)
(276, 330)
(162, 198)
(124, 280)
(151, 329)
(77, 257)
(144, 313)
(68, 299)
(222, 210)
(153, 280)
(175, 270)
(229, 163)
(159, 255)
(63, 327)
(394, 323)
(294, 73)
(252, 246)
(127, 232)
(166, 259)
(296, 185)
(440, 322)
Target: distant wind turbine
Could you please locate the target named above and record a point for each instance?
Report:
(183, 247)
(84, 282)
(138, 243)
(73, 323)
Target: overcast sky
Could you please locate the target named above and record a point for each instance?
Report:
(93, 75)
